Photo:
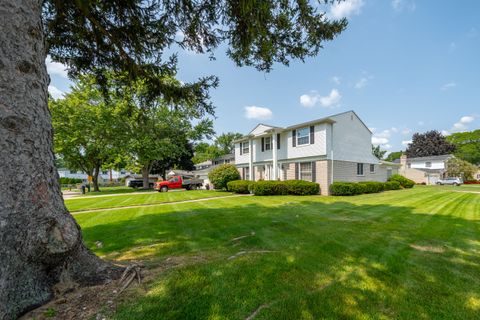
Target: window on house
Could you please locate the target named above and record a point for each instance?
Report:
(428, 164)
(268, 143)
(409, 165)
(105, 172)
(245, 147)
(372, 168)
(359, 169)
(122, 172)
(305, 171)
(303, 136)
(73, 172)
(478, 176)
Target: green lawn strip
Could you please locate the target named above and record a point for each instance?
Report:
(111, 190)
(405, 254)
(80, 204)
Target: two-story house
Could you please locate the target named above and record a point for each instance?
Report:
(334, 148)
(425, 170)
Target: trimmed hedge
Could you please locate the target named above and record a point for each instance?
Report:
(270, 188)
(222, 175)
(64, 180)
(373, 186)
(347, 188)
(354, 188)
(404, 182)
(239, 186)
(392, 185)
(301, 187)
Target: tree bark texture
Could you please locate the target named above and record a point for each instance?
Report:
(146, 176)
(40, 242)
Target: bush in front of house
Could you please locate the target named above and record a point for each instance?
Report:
(373, 186)
(346, 188)
(239, 186)
(222, 175)
(404, 182)
(392, 185)
(268, 188)
(301, 187)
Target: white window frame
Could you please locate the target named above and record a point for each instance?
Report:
(268, 145)
(374, 169)
(245, 146)
(363, 169)
(306, 171)
(298, 137)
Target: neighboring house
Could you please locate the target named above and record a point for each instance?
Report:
(203, 169)
(104, 176)
(334, 148)
(151, 178)
(425, 170)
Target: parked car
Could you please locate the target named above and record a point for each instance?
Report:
(139, 184)
(178, 182)
(450, 181)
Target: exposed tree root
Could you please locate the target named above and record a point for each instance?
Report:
(263, 306)
(132, 272)
(242, 237)
(240, 253)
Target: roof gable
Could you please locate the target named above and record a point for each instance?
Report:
(260, 128)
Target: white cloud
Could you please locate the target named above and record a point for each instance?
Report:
(384, 134)
(335, 79)
(394, 129)
(332, 99)
(56, 68)
(406, 142)
(449, 85)
(310, 100)
(400, 5)
(379, 141)
(406, 131)
(55, 92)
(462, 124)
(361, 83)
(345, 9)
(387, 146)
(445, 133)
(254, 112)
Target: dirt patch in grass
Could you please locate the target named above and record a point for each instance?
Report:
(100, 302)
(433, 249)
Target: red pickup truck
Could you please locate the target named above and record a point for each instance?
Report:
(178, 182)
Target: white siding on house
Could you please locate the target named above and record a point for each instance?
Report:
(352, 141)
(435, 164)
(318, 148)
(261, 128)
(241, 158)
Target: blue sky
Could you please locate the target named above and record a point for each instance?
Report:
(403, 66)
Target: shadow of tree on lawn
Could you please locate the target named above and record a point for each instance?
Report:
(328, 260)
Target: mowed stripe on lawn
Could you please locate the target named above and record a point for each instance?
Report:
(102, 202)
(400, 254)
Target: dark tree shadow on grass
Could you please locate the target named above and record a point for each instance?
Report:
(328, 260)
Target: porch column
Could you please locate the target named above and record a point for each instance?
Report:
(274, 156)
(250, 160)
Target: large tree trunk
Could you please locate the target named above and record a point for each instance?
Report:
(145, 176)
(40, 242)
(96, 172)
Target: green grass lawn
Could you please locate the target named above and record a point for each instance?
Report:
(463, 187)
(409, 254)
(123, 200)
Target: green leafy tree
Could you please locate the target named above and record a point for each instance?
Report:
(460, 168)
(182, 161)
(86, 129)
(93, 36)
(225, 142)
(222, 175)
(431, 143)
(377, 152)
(467, 145)
(392, 156)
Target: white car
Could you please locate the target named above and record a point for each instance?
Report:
(450, 181)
